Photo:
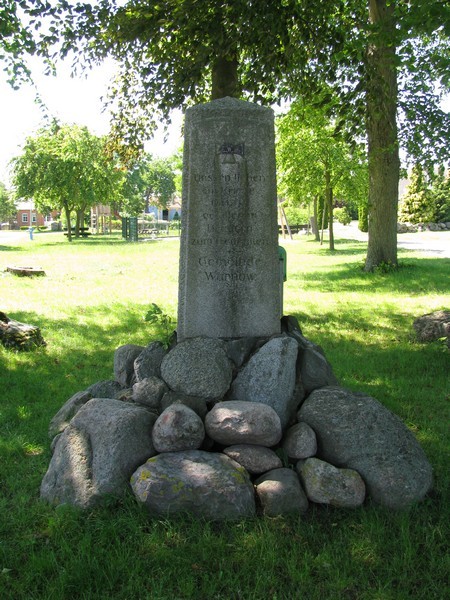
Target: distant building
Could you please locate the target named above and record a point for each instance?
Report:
(173, 211)
(28, 216)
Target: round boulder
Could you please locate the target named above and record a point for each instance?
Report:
(300, 441)
(178, 428)
(204, 484)
(326, 484)
(255, 459)
(280, 493)
(235, 422)
(149, 391)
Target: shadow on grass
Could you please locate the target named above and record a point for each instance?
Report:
(11, 248)
(413, 276)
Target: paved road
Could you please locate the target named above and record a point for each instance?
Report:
(431, 243)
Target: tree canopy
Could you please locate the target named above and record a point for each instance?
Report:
(149, 181)
(66, 168)
(316, 163)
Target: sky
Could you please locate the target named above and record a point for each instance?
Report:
(71, 100)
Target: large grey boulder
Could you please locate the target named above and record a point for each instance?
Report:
(234, 422)
(204, 484)
(269, 377)
(198, 367)
(357, 432)
(67, 411)
(178, 428)
(148, 362)
(124, 358)
(326, 484)
(97, 453)
(255, 459)
(280, 493)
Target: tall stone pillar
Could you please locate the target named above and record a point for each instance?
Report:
(229, 266)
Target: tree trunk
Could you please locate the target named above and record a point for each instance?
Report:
(225, 80)
(79, 221)
(329, 207)
(68, 217)
(315, 223)
(381, 113)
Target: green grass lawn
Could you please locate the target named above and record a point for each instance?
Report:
(93, 299)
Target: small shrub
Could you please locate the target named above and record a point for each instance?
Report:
(342, 216)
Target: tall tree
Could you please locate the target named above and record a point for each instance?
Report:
(148, 180)
(67, 168)
(314, 161)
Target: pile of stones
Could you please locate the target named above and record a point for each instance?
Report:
(413, 228)
(226, 429)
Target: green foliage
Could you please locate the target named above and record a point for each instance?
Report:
(156, 315)
(440, 195)
(342, 216)
(66, 168)
(8, 209)
(363, 217)
(427, 198)
(149, 181)
(296, 215)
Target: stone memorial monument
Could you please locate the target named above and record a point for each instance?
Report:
(229, 265)
(199, 427)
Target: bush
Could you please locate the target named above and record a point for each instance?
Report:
(363, 218)
(342, 216)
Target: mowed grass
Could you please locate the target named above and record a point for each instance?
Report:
(92, 300)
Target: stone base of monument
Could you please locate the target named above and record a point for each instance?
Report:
(226, 429)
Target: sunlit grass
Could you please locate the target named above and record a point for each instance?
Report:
(93, 298)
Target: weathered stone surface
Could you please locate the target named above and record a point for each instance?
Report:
(255, 459)
(178, 428)
(280, 493)
(235, 422)
(269, 377)
(315, 370)
(300, 441)
(149, 391)
(205, 484)
(105, 389)
(326, 484)
(357, 432)
(98, 452)
(148, 362)
(124, 358)
(196, 403)
(229, 267)
(240, 349)
(433, 326)
(67, 412)
(198, 367)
